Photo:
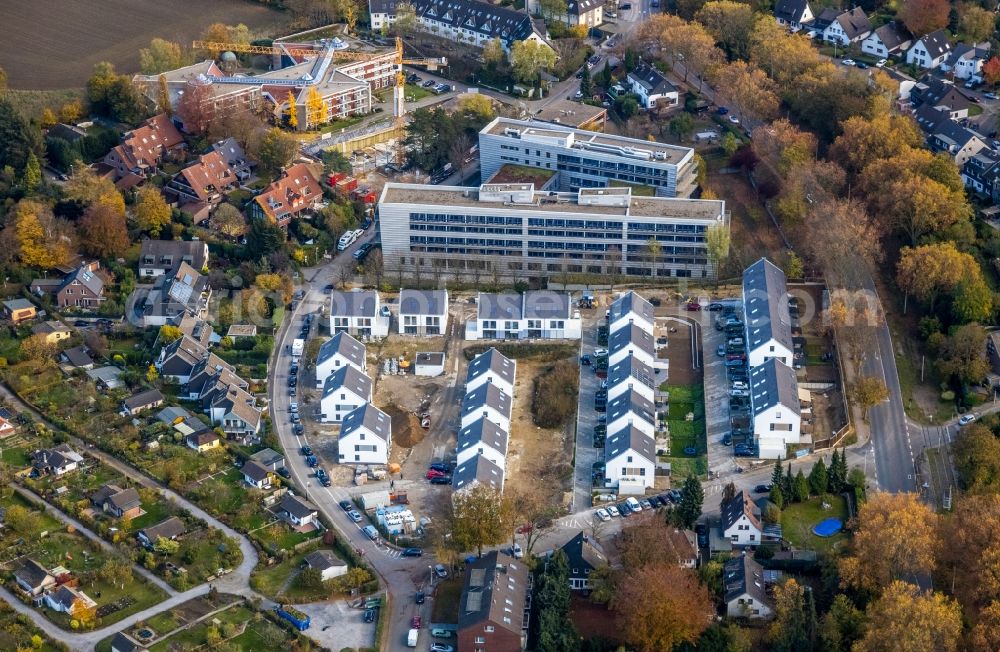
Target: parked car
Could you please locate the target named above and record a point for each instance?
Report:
(283, 472)
(419, 597)
(881, 62)
(440, 571)
(733, 119)
(762, 489)
(298, 429)
(702, 531)
(441, 479)
(585, 360)
(412, 552)
(722, 110)
(991, 96)
(441, 466)
(312, 462)
(721, 351)
(848, 62)
(306, 450)
(715, 306)
(441, 647)
(612, 511)
(693, 306)
(429, 83)
(727, 439)
(369, 615)
(354, 515)
(416, 622)
(602, 515)
(345, 505)
(966, 419)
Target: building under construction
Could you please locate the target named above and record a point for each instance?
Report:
(323, 81)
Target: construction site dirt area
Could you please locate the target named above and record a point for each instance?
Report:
(54, 44)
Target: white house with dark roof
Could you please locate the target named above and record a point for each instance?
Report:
(652, 87)
(487, 401)
(589, 13)
(478, 470)
(631, 308)
(740, 520)
(796, 14)
(843, 26)
(423, 312)
(159, 257)
(365, 436)
(339, 351)
(583, 557)
(629, 460)
(491, 367)
(178, 359)
(966, 60)
(631, 374)
(765, 306)
(358, 313)
(745, 594)
(631, 409)
(930, 50)
(428, 363)
(483, 437)
(632, 340)
(777, 418)
(327, 563)
(56, 461)
(888, 40)
(256, 475)
(298, 511)
(530, 315)
(269, 459)
(235, 411)
(345, 390)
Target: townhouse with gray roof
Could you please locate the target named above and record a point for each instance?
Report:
(482, 437)
(745, 593)
(631, 374)
(365, 436)
(765, 305)
(487, 401)
(540, 314)
(632, 340)
(178, 360)
(631, 408)
(774, 397)
(478, 470)
(358, 313)
(345, 390)
(631, 308)
(423, 312)
(491, 367)
(629, 460)
(339, 351)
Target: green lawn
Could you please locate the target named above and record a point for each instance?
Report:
(155, 512)
(16, 457)
(415, 93)
(447, 596)
(337, 125)
(798, 520)
(682, 467)
(260, 634)
(638, 190)
(268, 581)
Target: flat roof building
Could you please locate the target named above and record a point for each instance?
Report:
(587, 159)
(511, 231)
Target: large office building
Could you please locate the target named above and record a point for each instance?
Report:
(586, 159)
(512, 232)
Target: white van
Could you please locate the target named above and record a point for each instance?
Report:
(347, 240)
(411, 637)
(370, 532)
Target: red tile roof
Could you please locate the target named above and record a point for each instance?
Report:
(293, 193)
(208, 175)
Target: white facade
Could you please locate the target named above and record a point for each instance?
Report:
(770, 349)
(743, 532)
(492, 367)
(629, 467)
(631, 308)
(924, 55)
(365, 438)
(776, 427)
(334, 355)
(423, 313)
(652, 97)
(489, 412)
(531, 315)
(359, 314)
(746, 606)
(634, 385)
(341, 398)
(632, 419)
(491, 447)
(429, 364)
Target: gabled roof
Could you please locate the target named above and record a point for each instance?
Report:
(347, 377)
(167, 254)
(255, 471)
(982, 166)
(893, 35)
(125, 499)
(492, 360)
(484, 431)
(936, 43)
(631, 302)
(487, 395)
(122, 643)
(231, 151)
(18, 304)
(78, 356)
(294, 192)
(423, 302)
(323, 559)
(582, 7)
(741, 576)
(146, 143)
(49, 327)
(87, 277)
(240, 403)
(932, 91)
(953, 137)
(631, 401)
(488, 20)
(494, 592)
(267, 456)
(207, 175)
(546, 305)
(650, 78)
(172, 414)
(167, 528)
(297, 506)
(58, 457)
(790, 11)
(66, 596)
(773, 384)
(854, 22)
(929, 117)
(969, 52)
(765, 297)
(202, 438)
(737, 506)
(143, 399)
(826, 17)
(353, 304)
(631, 335)
(628, 438)
(582, 554)
(507, 305)
(371, 419)
(344, 345)
(477, 470)
(32, 573)
(628, 369)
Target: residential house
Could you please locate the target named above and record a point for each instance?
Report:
(182, 293)
(741, 520)
(358, 313)
(531, 315)
(71, 601)
(796, 14)
(33, 578)
(298, 511)
(583, 557)
(159, 257)
(150, 398)
(256, 475)
(53, 331)
(589, 13)
(179, 359)
(203, 183)
(169, 529)
(56, 461)
(745, 593)
(143, 149)
(937, 93)
(768, 323)
(478, 470)
(19, 310)
(467, 21)
(494, 608)
(966, 61)
(843, 26)
(345, 390)
(234, 156)
(236, 412)
(629, 460)
(237, 331)
(634, 341)
(958, 142)
(630, 308)
(294, 193)
(930, 50)
(269, 459)
(652, 87)
(7, 427)
(339, 351)
(107, 377)
(209, 378)
(120, 503)
(428, 364)
(487, 401)
(327, 563)
(981, 172)
(81, 288)
(122, 643)
(172, 414)
(491, 367)
(482, 437)
(682, 545)
(889, 40)
(203, 441)
(199, 330)
(365, 436)
(631, 374)
(631, 408)
(423, 312)
(77, 357)
(777, 418)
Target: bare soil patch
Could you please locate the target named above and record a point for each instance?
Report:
(53, 44)
(406, 430)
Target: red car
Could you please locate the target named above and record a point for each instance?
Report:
(434, 473)
(693, 306)
(524, 529)
(416, 622)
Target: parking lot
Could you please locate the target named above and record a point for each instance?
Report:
(587, 417)
(336, 625)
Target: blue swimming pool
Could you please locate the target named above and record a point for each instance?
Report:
(828, 527)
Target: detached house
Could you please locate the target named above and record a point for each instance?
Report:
(203, 441)
(966, 61)
(82, 288)
(203, 184)
(589, 13)
(768, 322)
(56, 461)
(294, 193)
(70, 601)
(159, 257)
(33, 578)
(256, 475)
(339, 351)
(843, 26)
(891, 39)
(168, 529)
(796, 14)
(630, 460)
(494, 608)
(583, 558)
(327, 563)
(491, 367)
(774, 396)
(365, 436)
(299, 512)
(345, 390)
(359, 314)
(120, 503)
(482, 437)
(652, 87)
(269, 459)
(940, 94)
(490, 402)
(53, 331)
(745, 594)
(741, 521)
(19, 310)
(234, 156)
(423, 312)
(143, 149)
(182, 293)
(142, 401)
(929, 51)
(982, 173)
(235, 411)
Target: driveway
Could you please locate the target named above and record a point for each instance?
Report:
(587, 417)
